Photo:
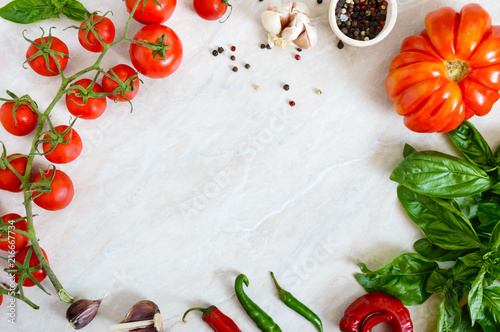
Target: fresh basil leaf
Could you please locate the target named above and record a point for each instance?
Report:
(495, 239)
(29, 11)
(464, 274)
(450, 313)
(490, 318)
(437, 220)
(472, 145)
(408, 150)
(488, 212)
(74, 10)
(476, 297)
(439, 175)
(405, 277)
(425, 248)
(468, 205)
(466, 324)
(474, 259)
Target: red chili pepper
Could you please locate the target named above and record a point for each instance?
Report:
(215, 319)
(374, 308)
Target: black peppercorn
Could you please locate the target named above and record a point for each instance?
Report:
(232, 58)
(262, 46)
(215, 53)
(247, 66)
(220, 50)
(235, 69)
(340, 45)
(286, 87)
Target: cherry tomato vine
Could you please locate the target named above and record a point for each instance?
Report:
(51, 188)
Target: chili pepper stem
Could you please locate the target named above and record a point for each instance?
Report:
(281, 292)
(204, 311)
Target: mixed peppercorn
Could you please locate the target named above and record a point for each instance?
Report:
(361, 19)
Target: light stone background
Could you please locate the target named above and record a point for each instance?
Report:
(208, 178)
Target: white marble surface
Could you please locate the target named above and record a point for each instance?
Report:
(209, 178)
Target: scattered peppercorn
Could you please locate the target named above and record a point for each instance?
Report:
(340, 45)
(286, 87)
(262, 46)
(297, 57)
(215, 53)
(220, 50)
(268, 46)
(320, 1)
(235, 69)
(232, 58)
(233, 48)
(291, 103)
(247, 66)
(299, 49)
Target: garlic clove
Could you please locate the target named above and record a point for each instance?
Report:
(308, 38)
(146, 316)
(80, 313)
(271, 21)
(293, 30)
(299, 7)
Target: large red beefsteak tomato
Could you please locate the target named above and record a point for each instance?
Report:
(448, 73)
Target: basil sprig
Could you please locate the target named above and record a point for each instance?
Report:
(30, 11)
(456, 204)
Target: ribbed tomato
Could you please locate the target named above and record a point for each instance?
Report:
(448, 73)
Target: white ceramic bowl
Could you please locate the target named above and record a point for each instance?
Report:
(392, 13)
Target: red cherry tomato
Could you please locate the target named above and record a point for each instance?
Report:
(124, 72)
(24, 122)
(60, 195)
(152, 12)
(210, 10)
(153, 65)
(39, 65)
(8, 180)
(39, 275)
(92, 109)
(15, 241)
(64, 152)
(105, 29)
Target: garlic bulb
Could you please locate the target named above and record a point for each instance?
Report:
(287, 22)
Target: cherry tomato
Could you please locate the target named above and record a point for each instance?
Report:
(39, 65)
(60, 195)
(8, 180)
(124, 72)
(24, 122)
(210, 10)
(15, 241)
(92, 109)
(152, 12)
(105, 29)
(64, 152)
(154, 65)
(39, 275)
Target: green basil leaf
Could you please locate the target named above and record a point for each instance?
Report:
(476, 297)
(464, 274)
(490, 319)
(450, 313)
(488, 212)
(74, 10)
(472, 145)
(405, 277)
(425, 248)
(468, 205)
(466, 324)
(439, 175)
(441, 223)
(29, 11)
(474, 259)
(408, 150)
(436, 283)
(495, 239)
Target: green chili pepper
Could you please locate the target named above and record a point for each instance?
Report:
(263, 321)
(298, 306)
